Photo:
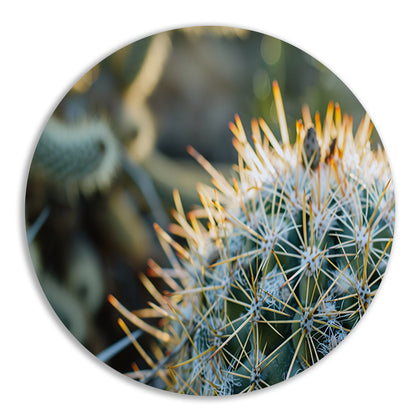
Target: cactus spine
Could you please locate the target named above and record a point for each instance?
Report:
(278, 266)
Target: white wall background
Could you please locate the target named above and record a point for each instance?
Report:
(46, 46)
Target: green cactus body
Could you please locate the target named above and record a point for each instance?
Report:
(279, 266)
(82, 156)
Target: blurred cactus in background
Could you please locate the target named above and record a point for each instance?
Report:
(277, 266)
(83, 156)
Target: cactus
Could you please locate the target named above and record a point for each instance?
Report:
(278, 266)
(83, 156)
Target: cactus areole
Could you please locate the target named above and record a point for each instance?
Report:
(279, 264)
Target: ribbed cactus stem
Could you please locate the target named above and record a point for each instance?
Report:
(83, 156)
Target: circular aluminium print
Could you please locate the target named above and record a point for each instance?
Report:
(210, 211)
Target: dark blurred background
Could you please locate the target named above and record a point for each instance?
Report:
(115, 148)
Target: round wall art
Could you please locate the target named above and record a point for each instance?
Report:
(209, 211)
